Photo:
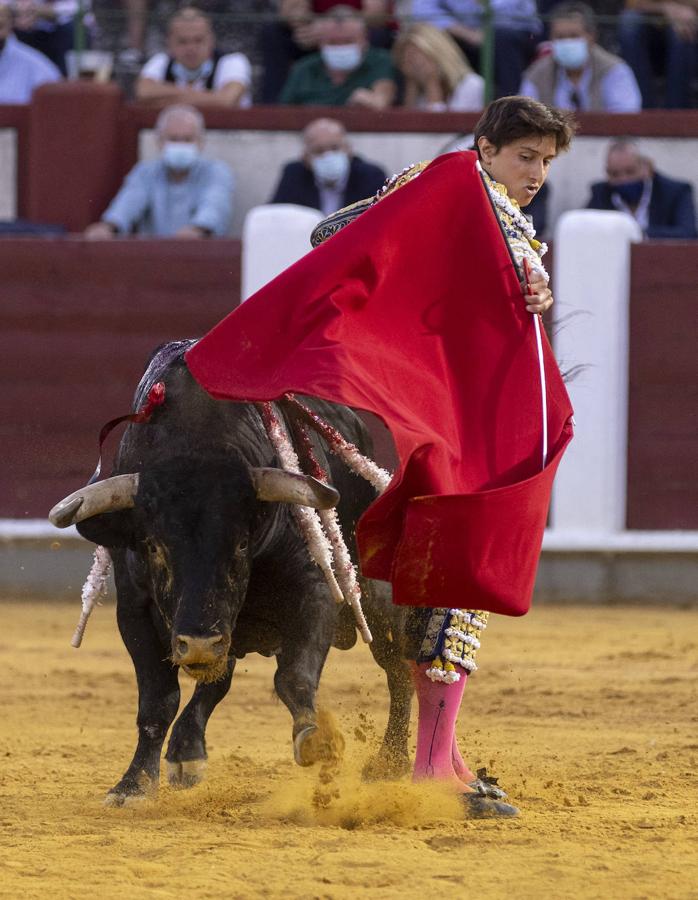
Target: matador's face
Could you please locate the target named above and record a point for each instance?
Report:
(521, 166)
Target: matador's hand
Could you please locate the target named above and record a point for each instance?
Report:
(539, 297)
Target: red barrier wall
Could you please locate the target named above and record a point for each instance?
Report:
(73, 163)
(663, 401)
(78, 321)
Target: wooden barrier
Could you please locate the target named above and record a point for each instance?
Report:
(78, 321)
(663, 388)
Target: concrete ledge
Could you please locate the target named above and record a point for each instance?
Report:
(38, 560)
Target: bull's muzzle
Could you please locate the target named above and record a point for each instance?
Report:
(199, 652)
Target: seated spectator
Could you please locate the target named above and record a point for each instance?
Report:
(436, 74)
(579, 74)
(346, 70)
(662, 207)
(516, 32)
(49, 27)
(193, 71)
(178, 195)
(292, 36)
(665, 44)
(329, 176)
(21, 68)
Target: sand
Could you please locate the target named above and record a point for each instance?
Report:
(588, 716)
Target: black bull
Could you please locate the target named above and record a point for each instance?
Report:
(206, 572)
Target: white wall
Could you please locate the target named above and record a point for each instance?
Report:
(258, 156)
(8, 173)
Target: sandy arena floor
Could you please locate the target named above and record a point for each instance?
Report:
(588, 716)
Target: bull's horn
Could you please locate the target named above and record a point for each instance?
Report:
(288, 487)
(104, 496)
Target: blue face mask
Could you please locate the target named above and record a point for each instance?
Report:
(180, 155)
(629, 191)
(342, 57)
(181, 73)
(571, 53)
(331, 167)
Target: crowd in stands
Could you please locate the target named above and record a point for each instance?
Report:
(428, 54)
(374, 54)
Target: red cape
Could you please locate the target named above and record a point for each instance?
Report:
(414, 312)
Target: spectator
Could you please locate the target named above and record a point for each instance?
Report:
(579, 74)
(516, 31)
(193, 71)
(436, 74)
(49, 27)
(179, 194)
(668, 43)
(21, 68)
(329, 176)
(662, 207)
(292, 36)
(346, 70)
(136, 23)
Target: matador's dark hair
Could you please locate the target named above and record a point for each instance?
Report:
(511, 118)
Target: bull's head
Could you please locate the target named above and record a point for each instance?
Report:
(193, 530)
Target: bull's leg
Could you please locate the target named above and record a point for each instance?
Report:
(186, 750)
(299, 665)
(158, 701)
(392, 759)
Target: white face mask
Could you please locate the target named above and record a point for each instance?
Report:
(571, 53)
(342, 57)
(182, 73)
(331, 167)
(180, 155)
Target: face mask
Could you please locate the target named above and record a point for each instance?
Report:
(571, 53)
(629, 191)
(180, 155)
(331, 167)
(342, 57)
(182, 73)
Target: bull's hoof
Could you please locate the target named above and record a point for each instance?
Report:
(386, 766)
(186, 774)
(319, 741)
(305, 746)
(131, 790)
(479, 807)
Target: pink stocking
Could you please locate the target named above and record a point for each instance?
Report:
(460, 767)
(438, 710)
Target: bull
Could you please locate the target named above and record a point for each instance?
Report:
(210, 565)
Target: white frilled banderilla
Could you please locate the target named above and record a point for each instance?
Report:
(94, 588)
(321, 530)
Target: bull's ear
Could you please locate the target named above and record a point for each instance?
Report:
(289, 487)
(114, 529)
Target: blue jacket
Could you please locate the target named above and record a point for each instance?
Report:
(297, 184)
(672, 210)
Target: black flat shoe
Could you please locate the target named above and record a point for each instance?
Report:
(487, 788)
(479, 807)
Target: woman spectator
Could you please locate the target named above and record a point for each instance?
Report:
(437, 76)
